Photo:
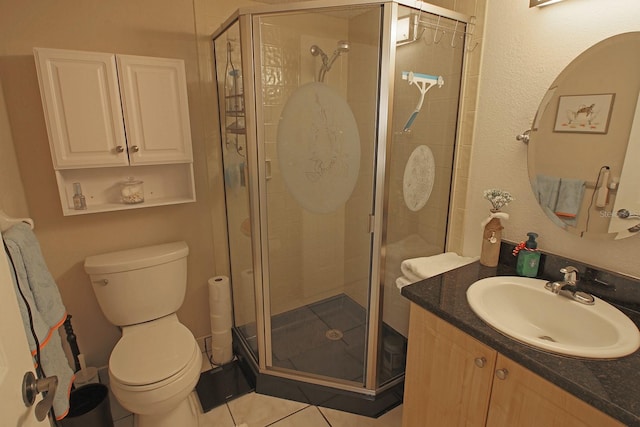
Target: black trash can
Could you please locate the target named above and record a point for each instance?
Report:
(89, 406)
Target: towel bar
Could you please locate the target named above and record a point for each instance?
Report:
(7, 222)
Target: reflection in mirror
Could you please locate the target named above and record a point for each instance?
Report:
(584, 149)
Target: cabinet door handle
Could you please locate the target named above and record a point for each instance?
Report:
(134, 148)
(480, 362)
(502, 374)
(119, 148)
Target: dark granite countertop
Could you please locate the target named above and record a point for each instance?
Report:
(612, 386)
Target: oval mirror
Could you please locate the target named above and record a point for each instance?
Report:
(584, 147)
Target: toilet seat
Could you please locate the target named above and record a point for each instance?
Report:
(153, 354)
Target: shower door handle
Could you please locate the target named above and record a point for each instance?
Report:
(267, 169)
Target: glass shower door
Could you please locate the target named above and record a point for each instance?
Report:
(317, 97)
(231, 106)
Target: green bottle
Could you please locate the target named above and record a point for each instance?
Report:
(529, 257)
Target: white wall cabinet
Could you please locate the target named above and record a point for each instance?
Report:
(110, 117)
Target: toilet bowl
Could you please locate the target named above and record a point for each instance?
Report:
(155, 365)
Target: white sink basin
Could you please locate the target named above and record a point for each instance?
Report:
(523, 309)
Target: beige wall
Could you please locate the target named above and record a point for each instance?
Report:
(519, 62)
(12, 198)
(152, 28)
(524, 50)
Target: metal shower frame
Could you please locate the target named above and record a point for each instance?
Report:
(247, 18)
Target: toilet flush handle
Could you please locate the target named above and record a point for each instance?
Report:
(103, 282)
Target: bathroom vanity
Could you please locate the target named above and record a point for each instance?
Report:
(460, 371)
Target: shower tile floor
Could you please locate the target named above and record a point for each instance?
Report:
(325, 338)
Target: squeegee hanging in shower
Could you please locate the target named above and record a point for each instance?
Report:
(423, 82)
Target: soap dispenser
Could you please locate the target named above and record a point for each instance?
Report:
(528, 257)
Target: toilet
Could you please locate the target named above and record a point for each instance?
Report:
(155, 365)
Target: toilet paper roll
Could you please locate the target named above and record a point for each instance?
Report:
(220, 323)
(221, 319)
(221, 338)
(219, 289)
(220, 303)
(221, 347)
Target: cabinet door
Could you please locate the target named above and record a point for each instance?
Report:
(81, 102)
(522, 398)
(156, 110)
(448, 376)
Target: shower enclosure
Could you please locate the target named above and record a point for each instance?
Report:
(338, 126)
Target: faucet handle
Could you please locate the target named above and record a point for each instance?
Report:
(570, 274)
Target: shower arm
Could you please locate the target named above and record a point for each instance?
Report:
(343, 46)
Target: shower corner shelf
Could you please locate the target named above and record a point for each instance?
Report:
(235, 108)
(234, 128)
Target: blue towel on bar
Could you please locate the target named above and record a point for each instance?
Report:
(31, 275)
(546, 191)
(570, 197)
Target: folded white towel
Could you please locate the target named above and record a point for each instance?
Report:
(402, 282)
(417, 269)
(31, 275)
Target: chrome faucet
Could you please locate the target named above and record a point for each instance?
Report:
(568, 287)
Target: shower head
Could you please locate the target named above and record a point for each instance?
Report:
(315, 50)
(343, 46)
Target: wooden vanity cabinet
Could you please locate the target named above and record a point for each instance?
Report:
(448, 374)
(452, 379)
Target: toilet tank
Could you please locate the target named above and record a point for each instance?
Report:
(142, 284)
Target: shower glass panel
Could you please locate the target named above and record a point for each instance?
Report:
(228, 61)
(316, 107)
(420, 162)
(338, 128)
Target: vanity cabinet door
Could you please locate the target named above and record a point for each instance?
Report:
(448, 376)
(521, 398)
(81, 101)
(156, 110)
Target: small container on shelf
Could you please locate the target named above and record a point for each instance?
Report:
(132, 191)
(79, 201)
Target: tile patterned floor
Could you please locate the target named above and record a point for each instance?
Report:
(257, 410)
(300, 342)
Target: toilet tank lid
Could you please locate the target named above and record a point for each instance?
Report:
(134, 259)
